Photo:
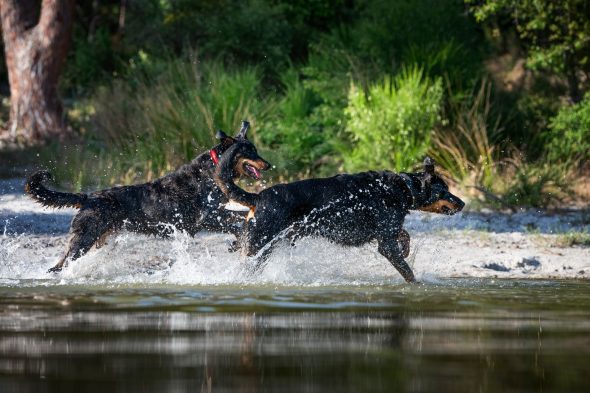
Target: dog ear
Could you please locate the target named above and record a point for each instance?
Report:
(428, 170)
(225, 140)
(429, 165)
(244, 130)
(427, 179)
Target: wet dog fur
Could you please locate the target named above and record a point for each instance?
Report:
(187, 199)
(349, 210)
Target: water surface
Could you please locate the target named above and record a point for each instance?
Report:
(451, 335)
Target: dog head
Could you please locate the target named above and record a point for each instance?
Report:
(430, 193)
(247, 162)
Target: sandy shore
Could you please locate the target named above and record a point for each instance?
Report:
(528, 244)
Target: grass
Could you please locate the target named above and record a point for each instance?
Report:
(570, 239)
(156, 120)
(495, 174)
(165, 113)
(166, 118)
(464, 144)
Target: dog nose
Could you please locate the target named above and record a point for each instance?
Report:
(267, 165)
(460, 204)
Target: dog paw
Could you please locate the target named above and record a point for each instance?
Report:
(55, 269)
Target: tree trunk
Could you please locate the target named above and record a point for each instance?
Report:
(36, 44)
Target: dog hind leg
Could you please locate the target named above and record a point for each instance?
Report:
(86, 231)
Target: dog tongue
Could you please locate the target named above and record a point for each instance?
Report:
(256, 172)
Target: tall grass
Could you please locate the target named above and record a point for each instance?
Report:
(464, 145)
(296, 138)
(468, 150)
(164, 120)
(538, 184)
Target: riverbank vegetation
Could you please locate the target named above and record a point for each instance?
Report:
(494, 90)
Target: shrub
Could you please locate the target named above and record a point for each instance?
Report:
(391, 124)
(161, 121)
(536, 185)
(89, 60)
(308, 126)
(438, 35)
(569, 134)
(252, 31)
(290, 132)
(465, 146)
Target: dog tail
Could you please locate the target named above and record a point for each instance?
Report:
(34, 187)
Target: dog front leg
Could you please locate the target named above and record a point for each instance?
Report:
(403, 240)
(390, 249)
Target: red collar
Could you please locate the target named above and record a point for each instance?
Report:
(214, 156)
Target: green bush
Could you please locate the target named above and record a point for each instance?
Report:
(161, 121)
(391, 124)
(253, 31)
(87, 62)
(569, 134)
(290, 132)
(308, 127)
(537, 185)
(438, 35)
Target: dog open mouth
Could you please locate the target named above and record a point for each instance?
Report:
(252, 171)
(448, 211)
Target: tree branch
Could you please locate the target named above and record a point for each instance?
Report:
(17, 16)
(55, 22)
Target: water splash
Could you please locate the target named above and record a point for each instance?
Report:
(133, 259)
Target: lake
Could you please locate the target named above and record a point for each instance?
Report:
(477, 335)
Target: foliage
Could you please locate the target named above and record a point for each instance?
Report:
(381, 40)
(469, 150)
(330, 86)
(310, 120)
(391, 124)
(254, 31)
(86, 64)
(536, 185)
(465, 146)
(437, 35)
(556, 33)
(572, 238)
(296, 142)
(168, 117)
(569, 134)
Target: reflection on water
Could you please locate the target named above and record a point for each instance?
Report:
(457, 336)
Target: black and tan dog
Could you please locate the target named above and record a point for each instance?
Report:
(187, 199)
(350, 210)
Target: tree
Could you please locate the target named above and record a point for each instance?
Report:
(36, 42)
(556, 34)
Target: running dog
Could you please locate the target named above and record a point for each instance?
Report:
(187, 199)
(350, 210)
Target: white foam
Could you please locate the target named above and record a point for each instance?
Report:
(32, 239)
(129, 258)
